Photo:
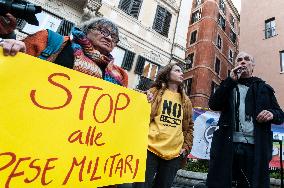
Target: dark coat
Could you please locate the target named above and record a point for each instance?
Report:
(221, 154)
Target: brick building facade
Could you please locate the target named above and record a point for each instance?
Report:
(212, 44)
(262, 36)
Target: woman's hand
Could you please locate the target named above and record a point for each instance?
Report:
(12, 47)
(150, 96)
(183, 153)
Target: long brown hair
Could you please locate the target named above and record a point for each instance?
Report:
(163, 77)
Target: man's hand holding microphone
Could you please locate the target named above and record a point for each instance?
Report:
(236, 72)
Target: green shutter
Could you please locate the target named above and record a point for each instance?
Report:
(128, 60)
(140, 65)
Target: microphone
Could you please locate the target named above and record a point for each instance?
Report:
(240, 71)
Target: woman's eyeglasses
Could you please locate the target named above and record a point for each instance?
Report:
(246, 58)
(105, 32)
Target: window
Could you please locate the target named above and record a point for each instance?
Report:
(214, 86)
(282, 61)
(222, 6)
(187, 86)
(118, 54)
(65, 27)
(130, 7)
(198, 2)
(123, 58)
(231, 56)
(189, 61)
(222, 22)
(146, 68)
(232, 21)
(217, 65)
(150, 70)
(270, 28)
(233, 36)
(196, 16)
(193, 37)
(147, 71)
(46, 21)
(219, 42)
(229, 71)
(162, 21)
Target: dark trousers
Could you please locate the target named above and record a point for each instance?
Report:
(160, 173)
(243, 161)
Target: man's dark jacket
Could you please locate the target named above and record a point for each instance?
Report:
(221, 154)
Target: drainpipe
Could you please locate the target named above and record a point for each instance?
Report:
(175, 31)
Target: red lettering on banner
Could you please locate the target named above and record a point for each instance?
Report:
(119, 167)
(93, 177)
(20, 162)
(110, 108)
(14, 173)
(75, 163)
(90, 139)
(112, 163)
(46, 168)
(136, 168)
(88, 169)
(38, 169)
(127, 162)
(50, 79)
(81, 114)
(113, 108)
(13, 159)
(81, 165)
(116, 108)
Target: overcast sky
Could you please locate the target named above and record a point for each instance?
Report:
(237, 4)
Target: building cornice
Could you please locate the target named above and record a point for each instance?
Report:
(234, 9)
(170, 3)
(91, 9)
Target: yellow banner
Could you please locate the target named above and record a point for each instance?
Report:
(62, 128)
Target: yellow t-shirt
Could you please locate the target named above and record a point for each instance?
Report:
(165, 132)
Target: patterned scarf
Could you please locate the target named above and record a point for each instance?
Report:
(90, 61)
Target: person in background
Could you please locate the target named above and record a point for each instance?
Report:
(242, 146)
(8, 24)
(170, 130)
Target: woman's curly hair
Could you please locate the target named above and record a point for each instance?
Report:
(163, 76)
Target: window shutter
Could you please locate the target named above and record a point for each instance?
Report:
(125, 5)
(65, 27)
(140, 65)
(135, 8)
(167, 24)
(159, 19)
(162, 21)
(128, 60)
(217, 66)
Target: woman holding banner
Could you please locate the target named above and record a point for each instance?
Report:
(87, 52)
(171, 128)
